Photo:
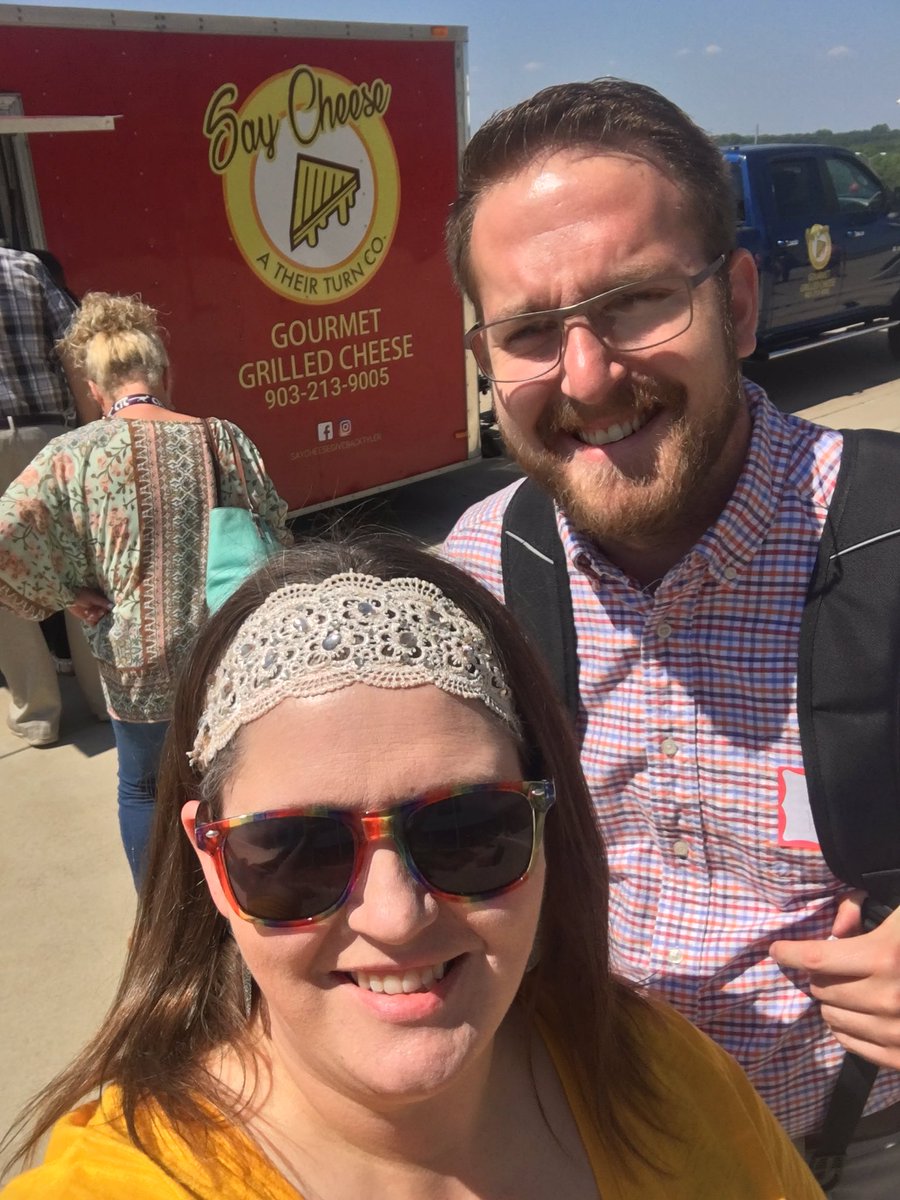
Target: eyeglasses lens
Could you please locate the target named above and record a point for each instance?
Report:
(289, 868)
(634, 318)
(472, 844)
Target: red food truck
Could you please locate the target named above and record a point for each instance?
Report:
(277, 189)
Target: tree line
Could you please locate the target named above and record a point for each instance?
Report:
(879, 147)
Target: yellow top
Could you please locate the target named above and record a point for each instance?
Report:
(729, 1144)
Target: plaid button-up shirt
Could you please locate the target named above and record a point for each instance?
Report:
(692, 751)
(34, 314)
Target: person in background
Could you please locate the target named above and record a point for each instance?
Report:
(40, 396)
(595, 234)
(371, 955)
(110, 521)
(56, 273)
(55, 627)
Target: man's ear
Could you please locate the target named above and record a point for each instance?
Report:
(188, 822)
(744, 279)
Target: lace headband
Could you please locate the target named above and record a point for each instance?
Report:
(309, 639)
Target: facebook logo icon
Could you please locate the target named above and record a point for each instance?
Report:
(326, 431)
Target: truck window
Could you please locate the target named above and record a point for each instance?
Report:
(795, 187)
(737, 182)
(854, 187)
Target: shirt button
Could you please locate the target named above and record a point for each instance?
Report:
(681, 849)
(669, 747)
(664, 630)
(730, 573)
(675, 956)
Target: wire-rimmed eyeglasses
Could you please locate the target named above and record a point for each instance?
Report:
(635, 316)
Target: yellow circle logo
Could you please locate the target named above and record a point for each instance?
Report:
(310, 177)
(818, 245)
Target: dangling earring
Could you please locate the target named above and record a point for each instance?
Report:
(247, 985)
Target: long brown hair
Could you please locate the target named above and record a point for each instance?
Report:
(180, 997)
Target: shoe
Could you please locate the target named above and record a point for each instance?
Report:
(47, 740)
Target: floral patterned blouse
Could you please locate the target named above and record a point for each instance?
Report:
(121, 506)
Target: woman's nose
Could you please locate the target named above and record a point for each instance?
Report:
(387, 904)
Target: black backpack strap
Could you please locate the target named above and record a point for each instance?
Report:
(848, 674)
(536, 584)
(848, 707)
(827, 1151)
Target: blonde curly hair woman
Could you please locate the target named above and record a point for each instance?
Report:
(119, 509)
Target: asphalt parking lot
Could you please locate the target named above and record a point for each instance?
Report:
(66, 899)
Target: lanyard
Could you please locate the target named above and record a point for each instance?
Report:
(135, 399)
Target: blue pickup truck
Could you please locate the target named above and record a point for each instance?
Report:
(825, 234)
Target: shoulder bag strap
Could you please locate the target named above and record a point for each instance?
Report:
(238, 463)
(214, 459)
(536, 584)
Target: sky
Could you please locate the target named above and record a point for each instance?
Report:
(782, 66)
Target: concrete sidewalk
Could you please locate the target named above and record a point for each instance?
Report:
(66, 898)
(876, 408)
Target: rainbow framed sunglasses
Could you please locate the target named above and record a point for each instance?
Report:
(294, 866)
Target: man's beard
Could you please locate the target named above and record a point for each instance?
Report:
(644, 510)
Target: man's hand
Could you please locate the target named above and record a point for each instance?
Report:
(856, 979)
(89, 606)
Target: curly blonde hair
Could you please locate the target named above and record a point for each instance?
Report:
(114, 339)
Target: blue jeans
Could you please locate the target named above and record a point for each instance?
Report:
(138, 746)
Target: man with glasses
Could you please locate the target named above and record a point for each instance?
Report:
(594, 234)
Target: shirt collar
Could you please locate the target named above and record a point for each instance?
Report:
(730, 545)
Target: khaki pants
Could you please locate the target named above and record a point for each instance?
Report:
(25, 662)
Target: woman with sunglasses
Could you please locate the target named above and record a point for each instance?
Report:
(371, 957)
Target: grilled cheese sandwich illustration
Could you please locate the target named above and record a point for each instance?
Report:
(321, 190)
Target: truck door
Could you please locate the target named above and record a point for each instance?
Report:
(806, 252)
(869, 232)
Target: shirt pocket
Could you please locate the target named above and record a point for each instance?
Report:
(792, 878)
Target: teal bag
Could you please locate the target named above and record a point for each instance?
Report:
(238, 539)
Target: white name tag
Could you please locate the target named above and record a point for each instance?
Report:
(796, 828)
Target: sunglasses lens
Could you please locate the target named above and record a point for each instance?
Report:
(289, 868)
(473, 844)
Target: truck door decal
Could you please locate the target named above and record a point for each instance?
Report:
(818, 245)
